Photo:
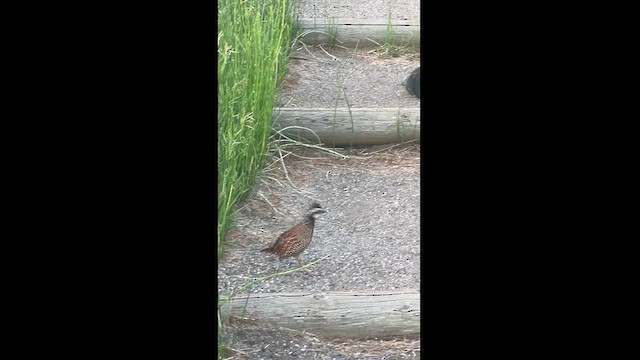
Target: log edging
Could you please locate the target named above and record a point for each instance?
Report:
(356, 126)
(334, 314)
(350, 32)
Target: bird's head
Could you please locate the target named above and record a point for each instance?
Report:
(315, 209)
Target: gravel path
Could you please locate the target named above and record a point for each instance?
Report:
(365, 9)
(367, 80)
(370, 232)
(266, 343)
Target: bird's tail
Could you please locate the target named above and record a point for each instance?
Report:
(268, 249)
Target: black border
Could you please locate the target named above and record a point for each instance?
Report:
(121, 147)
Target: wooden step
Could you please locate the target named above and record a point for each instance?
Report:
(353, 315)
(361, 32)
(340, 127)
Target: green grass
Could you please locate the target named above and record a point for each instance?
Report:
(332, 32)
(341, 90)
(254, 43)
(254, 38)
(392, 48)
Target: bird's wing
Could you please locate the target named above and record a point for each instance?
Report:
(284, 238)
(287, 236)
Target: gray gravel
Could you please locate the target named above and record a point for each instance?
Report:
(370, 232)
(368, 80)
(360, 9)
(266, 342)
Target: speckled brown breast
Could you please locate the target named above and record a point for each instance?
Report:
(292, 242)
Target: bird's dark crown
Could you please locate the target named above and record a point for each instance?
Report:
(315, 205)
(314, 210)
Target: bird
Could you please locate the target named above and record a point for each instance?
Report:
(294, 241)
(412, 83)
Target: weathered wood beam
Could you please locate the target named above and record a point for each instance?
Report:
(365, 33)
(334, 314)
(340, 127)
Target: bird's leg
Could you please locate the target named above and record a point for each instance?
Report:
(278, 266)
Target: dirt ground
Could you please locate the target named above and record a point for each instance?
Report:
(263, 342)
(371, 234)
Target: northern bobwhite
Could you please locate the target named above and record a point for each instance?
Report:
(412, 83)
(295, 240)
